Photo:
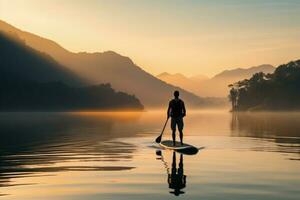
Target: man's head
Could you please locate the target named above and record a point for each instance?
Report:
(176, 94)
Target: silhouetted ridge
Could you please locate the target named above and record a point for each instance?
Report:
(163, 74)
(32, 40)
(18, 61)
(33, 81)
(109, 67)
(215, 86)
(242, 72)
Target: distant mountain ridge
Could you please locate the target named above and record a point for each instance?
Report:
(217, 85)
(172, 78)
(245, 72)
(179, 80)
(109, 67)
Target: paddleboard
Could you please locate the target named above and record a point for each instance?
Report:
(184, 148)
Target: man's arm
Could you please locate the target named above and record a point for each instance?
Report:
(183, 109)
(169, 110)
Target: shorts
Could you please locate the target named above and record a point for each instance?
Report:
(178, 121)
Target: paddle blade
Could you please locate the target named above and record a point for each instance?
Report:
(158, 139)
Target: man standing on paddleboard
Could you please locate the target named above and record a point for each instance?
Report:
(176, 111)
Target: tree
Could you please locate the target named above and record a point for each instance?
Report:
(233, 96)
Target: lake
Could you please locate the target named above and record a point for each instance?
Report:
(94, 155)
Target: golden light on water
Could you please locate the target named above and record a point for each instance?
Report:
(113, 154)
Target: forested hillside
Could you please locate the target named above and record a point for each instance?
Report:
(275, 91)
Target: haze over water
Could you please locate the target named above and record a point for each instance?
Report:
(112, 156)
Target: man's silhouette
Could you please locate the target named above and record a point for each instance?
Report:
(176, 111)
(177, 179)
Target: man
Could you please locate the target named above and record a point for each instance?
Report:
(176, 111)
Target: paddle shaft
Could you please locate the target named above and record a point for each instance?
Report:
(158, 139)
(164, 126)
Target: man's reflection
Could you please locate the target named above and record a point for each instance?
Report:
(177, 179)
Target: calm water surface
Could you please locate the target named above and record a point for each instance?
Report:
(112, 156)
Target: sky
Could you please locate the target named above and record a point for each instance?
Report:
(179, 36)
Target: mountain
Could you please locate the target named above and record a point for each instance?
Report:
(241, 73)
(33, 81)
(20, 62)
(179, 80)
(188, 83)
(108, 67)
(216, 86)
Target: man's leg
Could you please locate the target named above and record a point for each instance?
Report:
(181, 137)
(180, 128)
(173, 127)
(174, 136)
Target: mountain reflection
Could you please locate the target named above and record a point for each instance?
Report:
(36, 144)
(282, 128)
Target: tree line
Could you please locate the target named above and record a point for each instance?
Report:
(57, 96)
(275, 91)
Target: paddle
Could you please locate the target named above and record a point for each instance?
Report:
(158, 139)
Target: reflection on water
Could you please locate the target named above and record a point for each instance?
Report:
(282, 128)
(107, 156)
(264, 124)
(176, 177)
(34, 144)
